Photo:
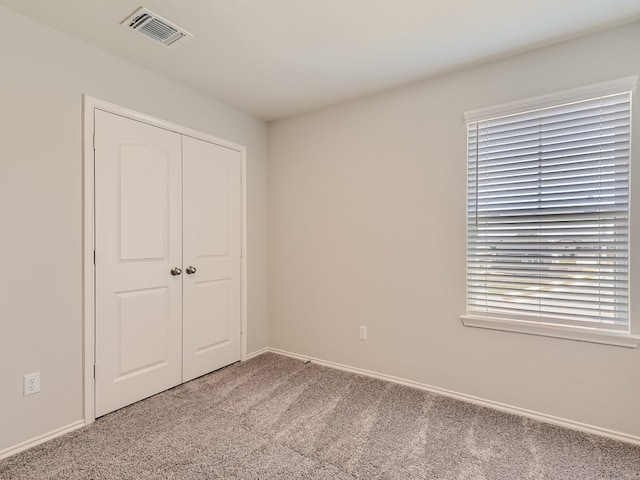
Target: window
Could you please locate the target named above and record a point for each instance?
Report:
(548, 214)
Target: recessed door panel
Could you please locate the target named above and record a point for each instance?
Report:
(142, 330)
(211, 220)
(138, 240)
(143, 202)
(212, 203)
(212, 300)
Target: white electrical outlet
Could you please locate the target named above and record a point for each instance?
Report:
(31, 383)
(363, 333)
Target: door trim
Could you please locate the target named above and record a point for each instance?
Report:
(90, 105)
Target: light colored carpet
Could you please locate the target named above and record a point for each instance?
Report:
(273, 417)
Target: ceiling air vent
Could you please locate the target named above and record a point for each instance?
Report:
(156, 28)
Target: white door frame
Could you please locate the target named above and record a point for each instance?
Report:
(90, 105)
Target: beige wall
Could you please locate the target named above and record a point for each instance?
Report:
(43, 75)
(367, 227)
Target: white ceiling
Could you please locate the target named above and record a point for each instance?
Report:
(275, 58)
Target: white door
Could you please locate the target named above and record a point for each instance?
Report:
(138, 241)
(211, 253)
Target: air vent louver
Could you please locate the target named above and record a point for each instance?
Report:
(156, 28)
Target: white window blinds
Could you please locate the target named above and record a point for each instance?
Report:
(548, 214)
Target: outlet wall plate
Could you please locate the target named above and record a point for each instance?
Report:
(363, 332)
(31, 383)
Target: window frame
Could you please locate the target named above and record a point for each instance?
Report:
(557, 330)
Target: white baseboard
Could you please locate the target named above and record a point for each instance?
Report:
(249, 356)
(543, 417)
(41, 439)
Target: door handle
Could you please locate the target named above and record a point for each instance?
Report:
(175, 271)
(191, 270)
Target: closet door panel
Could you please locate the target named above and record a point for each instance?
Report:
(211, 249)
(138, 235)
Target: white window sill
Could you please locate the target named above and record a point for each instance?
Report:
(620, 339)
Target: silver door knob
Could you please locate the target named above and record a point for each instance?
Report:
(191, 270)
(175, 271)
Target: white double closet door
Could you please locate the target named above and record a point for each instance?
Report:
(167, 262)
